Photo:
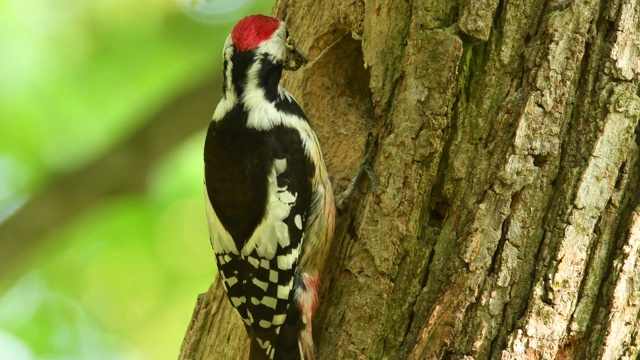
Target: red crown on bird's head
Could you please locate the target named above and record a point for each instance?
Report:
(252, 30)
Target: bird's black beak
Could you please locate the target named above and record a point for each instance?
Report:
(295, 57)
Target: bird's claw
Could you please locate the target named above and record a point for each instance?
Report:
(364, 168)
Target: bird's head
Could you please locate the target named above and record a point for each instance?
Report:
(265, 35)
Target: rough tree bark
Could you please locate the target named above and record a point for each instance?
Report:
(506, 224)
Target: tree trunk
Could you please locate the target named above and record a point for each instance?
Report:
(506, 222)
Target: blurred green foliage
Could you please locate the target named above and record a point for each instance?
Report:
(77, 76)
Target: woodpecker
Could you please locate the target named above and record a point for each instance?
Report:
(269, 202)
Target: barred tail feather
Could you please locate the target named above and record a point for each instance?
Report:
(256, 352)
(289, 347)
(278, 352)
(291, 342)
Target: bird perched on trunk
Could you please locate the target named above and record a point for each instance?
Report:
(269, 201)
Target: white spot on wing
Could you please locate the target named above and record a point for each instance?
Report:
(284, 290)
(261, 284)
(273, 276)
(264, 344)
(231, 281)
(298, 221)
(249, 316)
(237, 301)
(287, 198)
(286, 261)
(269, 301)
(265, 324)
(253, 261)
(279, 319)
(280, 165)
(283, 235)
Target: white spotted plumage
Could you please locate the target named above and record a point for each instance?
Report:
(269, 200)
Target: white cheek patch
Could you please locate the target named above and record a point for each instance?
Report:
(275, 47)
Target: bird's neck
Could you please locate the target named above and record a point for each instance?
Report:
(250, 77)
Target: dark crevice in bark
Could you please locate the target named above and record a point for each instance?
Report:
(462, 89)
(425, 277)
(471, 55)
(495, 259)
(591, 258)
(500, 338)
(406, 338)
(540, 160)
(497, 19)
(409, 323)
(494, 129)
(351, 230)
(541, 19)
(522, 310)
(438, 214)
(597, 325)
(636, 132)
(477, 71)
(622, 175)
(570, 162)
(593, 52)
